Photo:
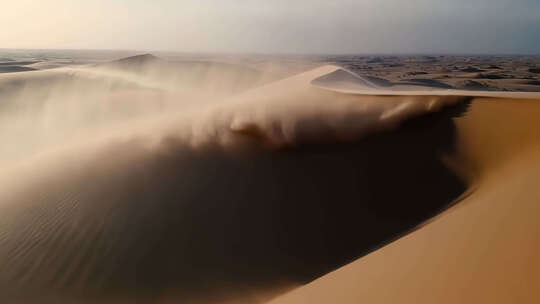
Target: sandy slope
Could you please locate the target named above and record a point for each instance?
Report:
(238, 199)
(483, 250)
(252, 194)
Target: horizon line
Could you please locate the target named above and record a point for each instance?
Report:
(283, 53)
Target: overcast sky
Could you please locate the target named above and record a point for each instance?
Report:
(267, 26)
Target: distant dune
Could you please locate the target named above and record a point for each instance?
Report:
(472, 70)
(197, 75)
(448, 71)
(346, 81)
(14, 68)
(20, 63)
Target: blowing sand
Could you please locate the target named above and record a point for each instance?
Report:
(243, 197)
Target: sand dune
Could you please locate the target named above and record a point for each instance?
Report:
(493, 73)
(205, 204)
(199, 75)
(483, 250)
(20, 63)
(346, 81)
(240, 198)
(14, 68)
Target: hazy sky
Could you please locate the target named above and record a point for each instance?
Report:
(288, 26)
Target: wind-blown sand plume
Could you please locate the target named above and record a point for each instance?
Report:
(236, 200)
(292, 111)
(213, 78)
(47, 107)
(483, 250)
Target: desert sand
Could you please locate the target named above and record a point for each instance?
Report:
(482, 250)
(294, 190)
(471, 73)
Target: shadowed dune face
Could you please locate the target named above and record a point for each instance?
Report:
(172, 222)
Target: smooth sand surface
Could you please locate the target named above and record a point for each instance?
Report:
(484, 249)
